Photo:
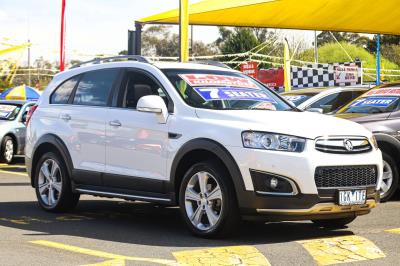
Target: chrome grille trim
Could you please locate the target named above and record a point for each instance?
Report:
(337, 144)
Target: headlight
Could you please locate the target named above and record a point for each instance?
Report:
(272, 141)
(374, 142)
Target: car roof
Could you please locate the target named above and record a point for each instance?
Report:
(319, 90)
(199, 66)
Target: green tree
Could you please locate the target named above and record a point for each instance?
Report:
(159, 41)
(326, 37)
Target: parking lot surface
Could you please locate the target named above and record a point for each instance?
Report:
(116, 232)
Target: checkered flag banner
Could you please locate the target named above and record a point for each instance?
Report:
(326, 75)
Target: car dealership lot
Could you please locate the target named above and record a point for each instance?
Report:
(116, 232)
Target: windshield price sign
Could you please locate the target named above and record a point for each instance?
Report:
(384, 91)
(6, 110)
(374, 101)
(210, 94)
(196, 80)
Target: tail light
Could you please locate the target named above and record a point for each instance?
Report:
(30, 113)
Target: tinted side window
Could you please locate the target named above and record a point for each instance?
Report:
(94, 87)
(63, 92)
(135, 86)
(325, 103)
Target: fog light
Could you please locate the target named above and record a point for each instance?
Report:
(273, 183)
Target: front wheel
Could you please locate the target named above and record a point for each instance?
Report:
(334, 223)
(52, 184)
(207, 200)
(8, 148)
(390, 178)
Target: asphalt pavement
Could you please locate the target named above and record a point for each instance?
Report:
(117, 232)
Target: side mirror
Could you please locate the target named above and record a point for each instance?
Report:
(153, 104)
(315, 110)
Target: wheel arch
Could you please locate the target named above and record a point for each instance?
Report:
(200, 149)
(49, 143)
(389, 144)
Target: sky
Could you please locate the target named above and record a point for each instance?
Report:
(93, 26)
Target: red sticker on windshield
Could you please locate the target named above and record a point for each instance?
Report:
(196, 80)
(384, 91)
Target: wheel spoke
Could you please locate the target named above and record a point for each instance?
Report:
(45, 170)
(203, 178)
(196, 217)
(57, 186)
(386, 175)
(212, 217)
(192, 195)
(215, 194)
(384, 187)
(43, 187)
(50, 196)
(54, 169)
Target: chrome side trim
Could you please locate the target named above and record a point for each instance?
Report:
(321, 208)
(118, 195)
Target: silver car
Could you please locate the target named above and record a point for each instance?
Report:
(12, 128)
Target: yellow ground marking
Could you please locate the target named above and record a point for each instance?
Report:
(73, 217)
(236, 255)
(326, 251)
(23, 220)
(13, 173)
(112, 259)
(3, 165)
(394, 231)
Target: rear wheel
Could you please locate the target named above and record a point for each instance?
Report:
(334, 223)
(52, 184)
(390, 178)
(8, 147)
(207, 201)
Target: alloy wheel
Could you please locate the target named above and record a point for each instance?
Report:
(9, 150)
(50, 182)
(203, 201)
(387, 179)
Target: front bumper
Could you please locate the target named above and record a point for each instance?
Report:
(309, 202)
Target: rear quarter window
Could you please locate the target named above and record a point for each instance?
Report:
(63, 92)
(94, 87)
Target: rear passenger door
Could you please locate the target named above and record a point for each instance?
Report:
(83, 121)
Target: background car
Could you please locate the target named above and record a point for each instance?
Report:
(379, 111)
(323, 100)
(12, 128)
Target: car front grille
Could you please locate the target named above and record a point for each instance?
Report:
(345, 176)
(343, 145)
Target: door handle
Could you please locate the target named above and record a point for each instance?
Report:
(115, 123)
(65, 117)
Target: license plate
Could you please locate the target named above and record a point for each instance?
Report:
(352, 197)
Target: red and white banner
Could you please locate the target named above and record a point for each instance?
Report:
(250, 69)
(196, 80)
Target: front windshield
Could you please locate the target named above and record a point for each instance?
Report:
(223, 90)
(297, 99)
(9, 111)
(383, 100)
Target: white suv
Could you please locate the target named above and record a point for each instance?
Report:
(209, 139)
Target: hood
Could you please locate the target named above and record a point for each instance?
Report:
(362, 117)
(302, 124)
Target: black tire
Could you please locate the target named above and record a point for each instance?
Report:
(3, 157)
(229, 218)
(337, 223)
(67, 200)
(395, 171)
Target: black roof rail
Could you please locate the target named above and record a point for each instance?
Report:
(99, 60)
(212, 63)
